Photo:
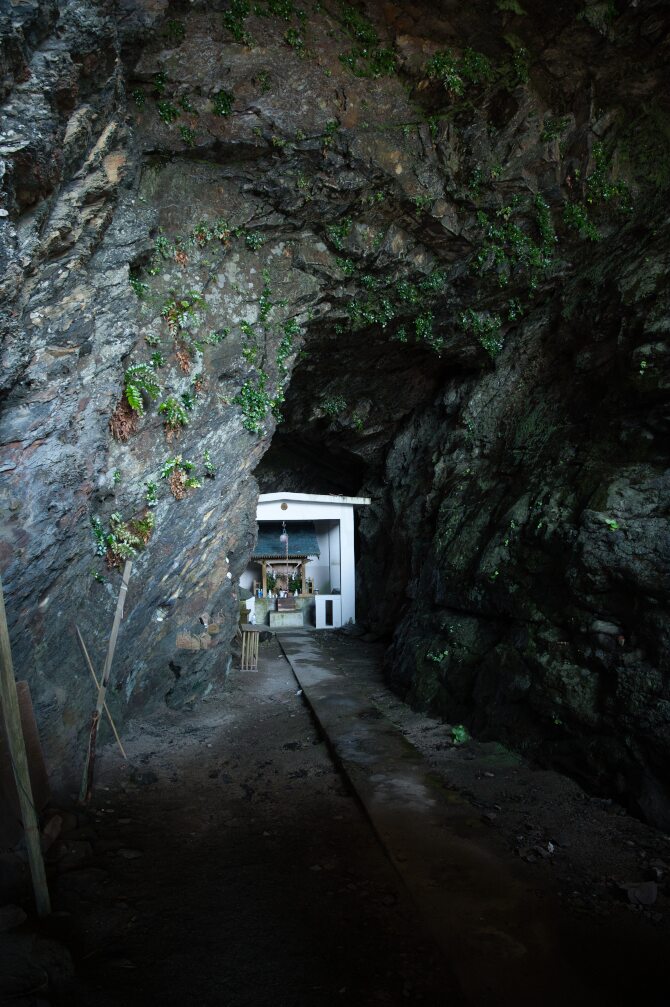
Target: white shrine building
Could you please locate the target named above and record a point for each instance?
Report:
(305, 550)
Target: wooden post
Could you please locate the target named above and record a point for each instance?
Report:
(17, 753)
(264, 575)
(87, 778)
(303, 571)
(97, 685)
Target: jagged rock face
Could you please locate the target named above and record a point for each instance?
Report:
(441, 237)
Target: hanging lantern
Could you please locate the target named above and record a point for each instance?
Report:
(283, 538)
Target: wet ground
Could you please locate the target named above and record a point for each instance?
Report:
(600, 878)
(230, 863)
(233, 867)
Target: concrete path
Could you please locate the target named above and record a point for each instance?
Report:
(500, 937)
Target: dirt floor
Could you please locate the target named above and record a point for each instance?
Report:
(227, 862)
(231, 866)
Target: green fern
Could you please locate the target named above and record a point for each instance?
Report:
(137, 379)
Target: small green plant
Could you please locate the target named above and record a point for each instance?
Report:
(508, 248)
(163, 248)
(187, 135)
(294, 37)
(475, 67)
(612, 524)
(250, 349)
(600, 188)
(304, 185)
(284, 351)
(338, 232)
(174, 413)
(202, 233)
(124, 539)
(348, 266)
(576, 217)
(455, 73)
(514, 310)
(434, 126)
(486, 327)
(519, 66)
(425, 332)
(180, 312)
(263, 81)
(437, 657)
(234, 18)
(176, 470)
(443, 66)
(545, 224)
(167, 112)
(176, 464)
(222, 103)
(157, 360)
(188, 106)
(554, 127)
(422, 202)
(140, 288)
(333, 405)
(139, 97)
(460, 734)
(329, 131)
(140, 379)
(208, 465)
(367, 57)
(221, 229)
(378, 311)
(160, 80)
(213, 338)
(254, 240)
(255, 402)
(116, 476)
(151, 494)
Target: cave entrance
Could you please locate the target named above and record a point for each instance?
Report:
(303, 569)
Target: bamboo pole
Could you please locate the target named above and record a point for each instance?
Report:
(87, 777)
(97, 685)
(17, 753)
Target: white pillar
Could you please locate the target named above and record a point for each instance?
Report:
(348, 565)
(335, 557)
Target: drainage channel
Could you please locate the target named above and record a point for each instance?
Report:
(502, 940)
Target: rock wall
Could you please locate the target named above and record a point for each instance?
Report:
(436, 242)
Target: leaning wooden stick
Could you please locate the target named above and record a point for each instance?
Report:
(19, 759)
(97, 685)
(87, 778)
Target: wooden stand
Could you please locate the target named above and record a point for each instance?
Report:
(87, 778)
(250, 638)
(17, 753)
